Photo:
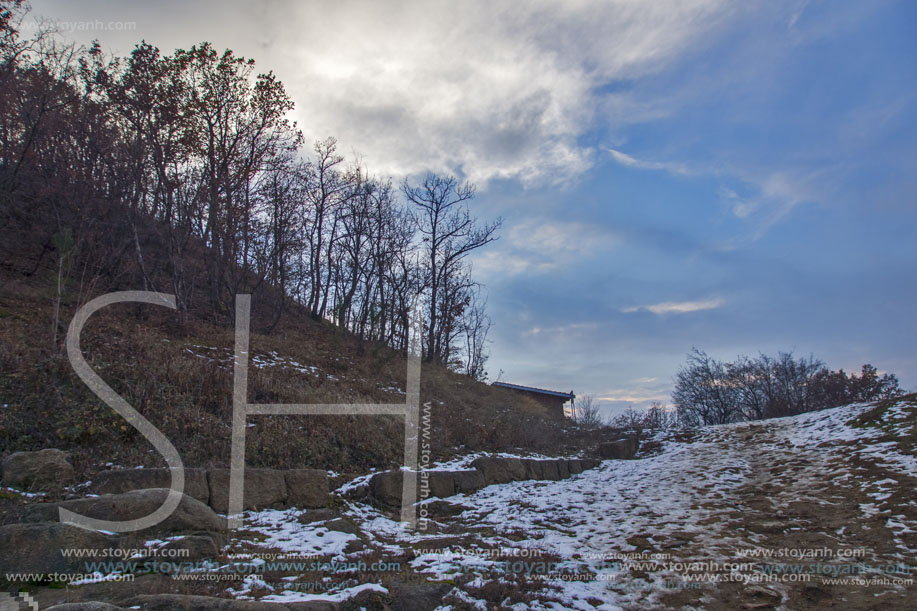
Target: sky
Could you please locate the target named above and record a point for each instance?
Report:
(732, 176)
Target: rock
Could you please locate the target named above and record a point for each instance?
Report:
(48, 467)
(197, 547)
(500, 470)
(541, 469)
(354, 546)
(444, 508)
(316, 515)
(386, 488)
(343, 525)
(534, 469)
(574, 466)
(263, 488)
(563, 471)
(358, 493)
(307, 488)
(183, 602)
(369, 599)
(760, 591)
(467, 481)
(550, 470)
(85, 606)
(418, 596)
(620, 449)
(589, 463)
(125, 480)
(438, 483)
(36, 548)
(190, 515)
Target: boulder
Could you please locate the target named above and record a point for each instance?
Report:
(85, 606)
(307, 488)
(533, 468)
(185, 602)
(549, 470)
(563, 471)
(125, 480)
(574, 466)
(36, 548)
(466, 482)
(343, 525)
(500, 470)
(589, 463)
(263, 488)
(418, 596)
(369, 599)
(619, 449)
(386, 488)
(439, 508)
(196, 547)
(440, 484)
(44, 468)
(543, 469)
(190, 515)
(317, 515)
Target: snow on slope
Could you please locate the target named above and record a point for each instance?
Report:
(677, 504)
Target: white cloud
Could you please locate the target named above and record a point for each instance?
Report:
(491, 90)
(575, 328)
(776, 193)
(632, 162)
(631, 395)
(543, 245)
(678, 307)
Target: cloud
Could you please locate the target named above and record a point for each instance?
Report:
(577, 328)
(631, 395)
(631, 162)
(539, 245)
(775, 193)
(677, 307)
(489, 90)
(774, 196)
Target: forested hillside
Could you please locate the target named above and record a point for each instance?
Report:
(181, 173)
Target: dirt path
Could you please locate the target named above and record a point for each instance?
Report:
(798, 513)
(822, 512)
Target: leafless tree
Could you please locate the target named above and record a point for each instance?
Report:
(586, 412)
(449, 234)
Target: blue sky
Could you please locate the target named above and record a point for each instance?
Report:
(732, 176)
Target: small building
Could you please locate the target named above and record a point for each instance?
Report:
(553, 400)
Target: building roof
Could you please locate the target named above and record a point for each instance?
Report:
(553, 393)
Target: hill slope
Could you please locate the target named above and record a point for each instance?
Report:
(809, 512)
(178, 374)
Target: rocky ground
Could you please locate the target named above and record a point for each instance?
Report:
(811, 512)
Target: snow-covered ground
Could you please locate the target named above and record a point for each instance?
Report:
(624, 535)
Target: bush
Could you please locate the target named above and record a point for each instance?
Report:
(708, 391)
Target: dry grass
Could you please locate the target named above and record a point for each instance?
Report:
(158, 366)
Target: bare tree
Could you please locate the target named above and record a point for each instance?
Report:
(475, 326)
(586, 412)
(449, 233)
(710, 392)
(703, 392)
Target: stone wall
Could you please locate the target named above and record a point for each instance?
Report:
(264, 488)
(386, 487)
